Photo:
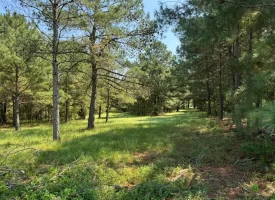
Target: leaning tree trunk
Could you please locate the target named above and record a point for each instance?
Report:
(56, 122)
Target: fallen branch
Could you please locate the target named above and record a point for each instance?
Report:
(65, 169)
(11, 152)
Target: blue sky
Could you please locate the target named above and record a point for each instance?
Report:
(170, 39)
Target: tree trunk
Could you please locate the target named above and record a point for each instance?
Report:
(258, 103)
(16, 101)
(99, 111)
(214, 110)
(49, 113)
(67, 103)
(3, 112)
(220, 87)
(13, 111)
(56, 120)
(237, 78)
(67, 110)
(208, 98)
(249, 74)
(91, 120)
(108, 105)
(31, 112)
(208, 89)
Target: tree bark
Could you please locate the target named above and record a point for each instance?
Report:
(108, 104)
(3, 112)
(91, 120)
(56, 120)
(99, 111)
(67, 103)
(13, 111)
(237, 78)
(16, 101)
(208, 98)
(220, 86)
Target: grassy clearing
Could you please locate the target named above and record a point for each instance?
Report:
(177, 156)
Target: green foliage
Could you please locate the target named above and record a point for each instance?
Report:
(150, 190)
(259, 148)
(264, 118)
(154, 71)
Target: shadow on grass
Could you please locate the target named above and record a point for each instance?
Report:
(147, 147)
(162, 142)
(174, 138)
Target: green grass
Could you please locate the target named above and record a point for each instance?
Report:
(128, 158)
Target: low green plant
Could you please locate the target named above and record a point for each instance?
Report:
(263, 118)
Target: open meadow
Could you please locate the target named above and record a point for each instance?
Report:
(180, 155)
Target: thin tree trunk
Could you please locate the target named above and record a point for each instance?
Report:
(208, 89)
(258, 103)
(49, 113)
(249, 75)
(99, 111)
(214, 110)
(237, 112)
(31, 111)
(56, 120)
(67, 103)
(16, 100)
(220, 87)
(5, 112)
(2, 113)
(208, 98)
(108, 105)
(13, 111)
(91, 120)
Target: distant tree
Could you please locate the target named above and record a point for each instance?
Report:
(109, 26)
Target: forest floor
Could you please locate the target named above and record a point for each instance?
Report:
(180, 155)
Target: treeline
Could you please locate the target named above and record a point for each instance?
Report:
(63, 60)
(226, 57)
